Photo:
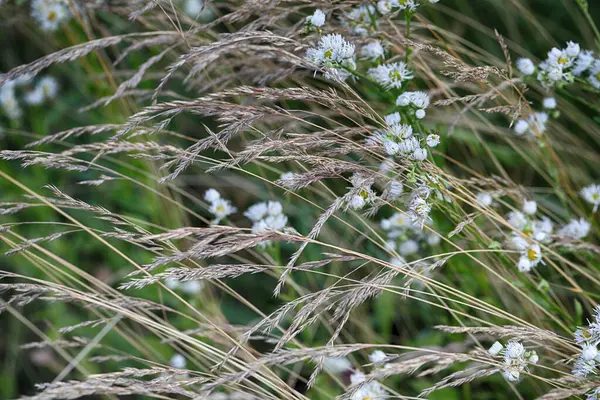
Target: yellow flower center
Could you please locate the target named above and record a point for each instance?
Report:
(562, 60)
(220, 208)
(598, 76)
(596, 196)
(52, 15)
(395, 75)
(400, 220)
(532, 254)
(528, 231)
(364, 194)
(328, 53)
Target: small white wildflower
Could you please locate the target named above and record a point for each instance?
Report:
(511, 375)
(583, 367)
(408, 248)
(589, 351)
(583, 62)
(594, 77)
(192, 287)
(572, 49)
(377, 356)
(549, 103)
(518, 243)
(357, 202)
(9, 102)
(484, 199)
(172, 283)
(521, 127)
(401, 131)
(385, 6)
(256, 212)
(530, 257)
(433, 239)
(211, 195)
(372, 51)
(317, 19)
(178, 361)
(495, 349)
(48, 86)
(525, 66)
(337, 365)
(420, 114)
(408, 146)
(394, 190)
(591, 194)
(514, 350)
(529, 207)
(576, 229)
(34, 97)
(221, 208)
(517, 220)
(50, 14)
(286, 176)
(357, 377)
(391, 75)
(420, 154)
(419, 209)
(433, 140)
(393, 119)
(333, 52)
(359, 19)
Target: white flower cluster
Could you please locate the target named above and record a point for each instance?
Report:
(575, 229)
(562, 66)
(45, 89)
(373, 51)
(50, 14)
(591, 194)
(588, 338)
(368, 391)
(404, 236)
(360, 19)
(516, 358)
(399, 139)
(266, 216)
(387, 6)
(415, 102)
(532, 231)
(335, 55)
(219, 207)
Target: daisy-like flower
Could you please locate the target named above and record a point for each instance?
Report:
(363, 194)
(377, 356)
(594, 77)
(526, 66)
(385, 6)
(531, 257)
(211, 195)
(335, 54)
(433, 140)
(391, 75)
(9, 103)
(372, 51)
(419, 210)
(267, 216)
(46, 89)
(50, 14)
(575, 229)
(394, 190)
(368, 391)
(591, 194)
(517, 220)
(192, 287)
(495, 349)
(337, 365)
(535, 125)
(515, 358)
(419, 101)
(221, 208)
(393, 119)
(419, 154)
(317, 19)
(408, 248)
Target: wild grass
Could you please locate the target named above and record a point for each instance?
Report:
(135, 279)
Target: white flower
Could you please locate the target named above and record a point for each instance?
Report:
(360, 19)
(484, 199)
(495, 349)
(193, 7)
(333, 52)
(576, 229)
(419, 154)
(401, 131)
(591, 194)
(50, 14)
(589, 351)
(433, 239)
(408, 146)
(514, 350)
(394, 190)
(521, 127)
(419, 210)
(377, 356)
(34, 97)
(274, 208)
(357, 202)
(511, 375)
(525, 66)
(393, 119)
(178, 361)
(583, 62)
(192, 287)
(529, 207)
(256, 212)
(172, 283)
(337, 365)
(409, 5)
(385, 6)
(270, 223)
(372, 51)
(391, 75)
(583, 367)
(517, 220)
(594, 78)
(518, 243)
(420, 114)
(317, 19)
(357, 377)
(550, 103)
(433, 140)
(9, 102)
(530, 257)
(48, 86)
(572, 49)
(221, 208)
(408, 248)
(211, 195)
